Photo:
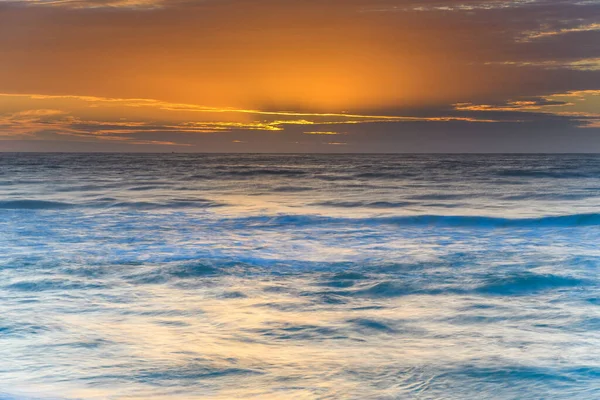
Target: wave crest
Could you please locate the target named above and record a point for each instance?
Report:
(458, 221)
(33, 205)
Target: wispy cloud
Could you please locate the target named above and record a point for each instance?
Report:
(456, 6)
(584, 64)
(36, 124)
(545, 33)
(95, 118)
(126, 4)
(582, 106)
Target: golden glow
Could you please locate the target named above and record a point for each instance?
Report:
(117, 119)
(264, 55)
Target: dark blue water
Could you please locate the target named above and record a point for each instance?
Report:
(299, 276)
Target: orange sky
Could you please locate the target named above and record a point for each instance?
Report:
(413, 61)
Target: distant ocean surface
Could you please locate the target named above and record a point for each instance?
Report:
(179, 276)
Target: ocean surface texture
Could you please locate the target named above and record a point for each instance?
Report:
(299, 277)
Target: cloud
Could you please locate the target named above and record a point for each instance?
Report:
(116, 119)
(583, 107)
(50, 124)
(586, 64)
(451, 6)
(96, 4)
(533, 35)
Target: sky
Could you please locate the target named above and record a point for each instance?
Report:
(300, 75)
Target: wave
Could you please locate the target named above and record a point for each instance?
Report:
(524, 173)
(33, 205)
(440, 196)
(524, 283)
(107, 203)
(357, 204)
(197, 203)
(458, 221)
(263, 172)
(146, 188)
(550, 196)
(291, 189)
(51, 284)
(190, 271)
(511, 284)
(382, 175)
(190, 374)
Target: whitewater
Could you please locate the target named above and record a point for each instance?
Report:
(228, 276)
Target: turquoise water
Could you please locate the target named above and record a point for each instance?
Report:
(179, 276)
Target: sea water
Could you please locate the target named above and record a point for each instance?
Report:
(197, 276)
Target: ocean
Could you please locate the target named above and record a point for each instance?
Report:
(199, 276)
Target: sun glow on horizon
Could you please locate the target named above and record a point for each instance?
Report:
(196, 73)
